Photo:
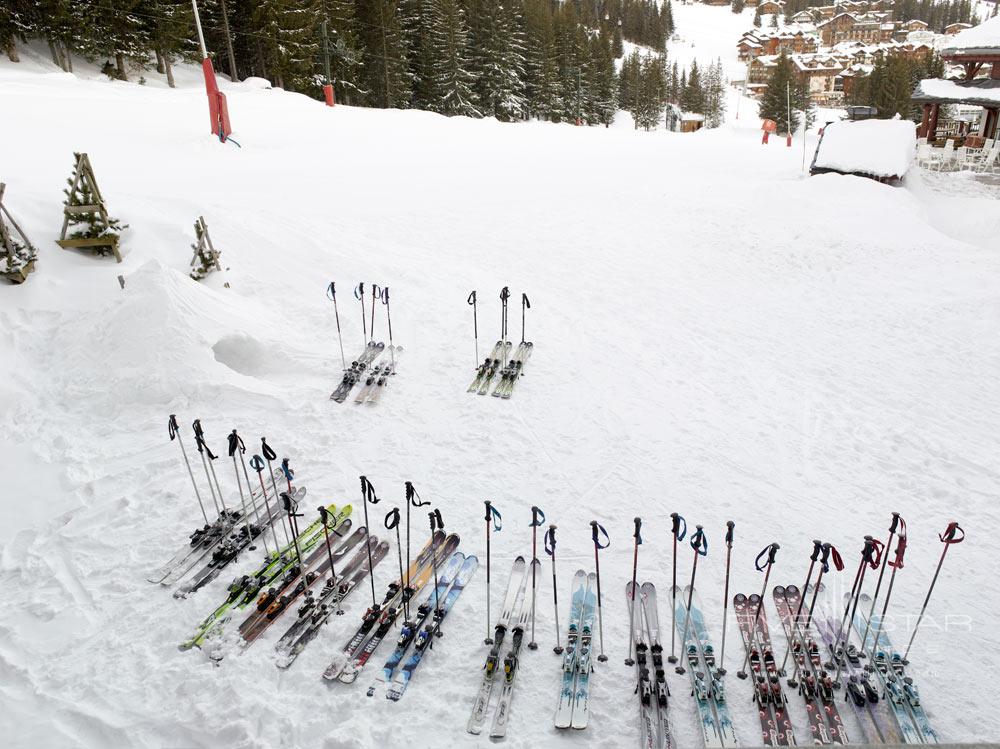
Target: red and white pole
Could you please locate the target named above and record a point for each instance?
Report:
(218, 110)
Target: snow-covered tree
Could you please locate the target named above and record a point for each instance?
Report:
(449, 39)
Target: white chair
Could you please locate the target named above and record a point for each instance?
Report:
(990, 161)
(925, 155)
(947, 157)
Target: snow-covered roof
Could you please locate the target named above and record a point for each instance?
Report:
(982, 38)
(981, 91)
(877, 148)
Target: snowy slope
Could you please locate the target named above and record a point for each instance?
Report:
(715, 335)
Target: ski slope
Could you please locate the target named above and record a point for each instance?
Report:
(715, 334)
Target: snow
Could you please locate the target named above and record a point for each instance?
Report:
(980, 90)
(882, 148)
(715, 335)
(984, 36)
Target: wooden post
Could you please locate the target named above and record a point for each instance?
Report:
(922, 129)
(16, 262)
(932, 124)
(205, 255)
(83, 177)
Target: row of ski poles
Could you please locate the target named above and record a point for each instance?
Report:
(237, 449)
(379, 294)
(504, 299)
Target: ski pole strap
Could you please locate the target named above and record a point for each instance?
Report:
(596, 530)
(729, 533)
(678, 526)
(838, 561)
(492, 513)
(537, 517)
(472, 298)
(550, 541)
(766, 557)
(392, 519)
(699, 541)
(411, 493)
(877, 547)
(199, 438)
(950, 535)
(265, 448)
(437, 523)
(525, 302)
(897, 563)
(257, 463)
(286, 471)
(331, 291)
(290, 506)
(636, 534)
(172, 426)
(236, 443)
(368, 491)
(359, 292)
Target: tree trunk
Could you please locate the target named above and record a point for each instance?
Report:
(160, 68)
(12, 51)
(170, 70)
(55, 55)
(120, 65)
(229, 45)
(69, 60)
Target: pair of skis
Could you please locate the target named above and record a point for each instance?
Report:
(513, 610)
(379, 619)
(488, 369)
(356, 371)
(815, 683)
(707, 686)
(651, 683)
(772, 705)
(573, 708)
(378, 377)
(508, 374)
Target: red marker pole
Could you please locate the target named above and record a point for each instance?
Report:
(218, 110)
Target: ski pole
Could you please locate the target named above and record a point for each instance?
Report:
(199, 439)
(885, 559)
(359, 294)
(678, 530)
(324, 515)
(270, 455)
(492, 515)
(253, 504)
(257, 463)
(504, 296)
(525, 304)
(368, 496)
(721, 670)
(838, 564)
(412, 500)
(870, 556)
(637, 536)
(388, 320)
(331, 293)
(817, 550)
(287, 473)
(376, 293)
(949, 537)
(699, 542)
(391, 522)
(596, 529)
(549, 542)
(236, 444)
(537, 518)
(771, 550)
(290, 508)
(436, 524)
(211, 465)
(471, 301)
(172, 430)
(896, 564)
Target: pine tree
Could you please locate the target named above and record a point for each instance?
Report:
(16, 23)
(694, 92)
(737, 6)
(756, 16)
(498, 59)
(345, 54)
(449, 39)
(782, 89)
(383, 69)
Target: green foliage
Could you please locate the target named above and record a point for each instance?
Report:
(785, 98)
(88, 225)
(891, 82)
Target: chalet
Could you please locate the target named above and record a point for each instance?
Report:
(915, 25)
(791, 39)
(803, 16)
(819, 72)
(849, 27)
(748, 48)
(954, 28)
(771, 7)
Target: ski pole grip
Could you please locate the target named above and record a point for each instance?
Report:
(385, 296)
(769, 552)
(637, 533)
(950, 535)
(825, 560)
(359, 292)
(368, 491)
(505, 294)
(525, 301)
(678, 526)
(729, 533)
(489, 506)
(172, 426)
(411, 493)
(895, 522)
(235, 443)
(596, 529)
(323, 514)
(537, 516)
(392, 519)
(286, 470)
(437, 523)
(257, 463)
(331, 291)
(265, 448)
(286, 502)
(472, 298)
(698, 541)
(549, 542)
(817, 549)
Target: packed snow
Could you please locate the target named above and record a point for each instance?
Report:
(984, 36)
(715, 333)
(880, 148)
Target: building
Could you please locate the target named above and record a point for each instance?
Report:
(771, 7)
(790, 39)
(955, 28)
(847, 27)
(819, 72)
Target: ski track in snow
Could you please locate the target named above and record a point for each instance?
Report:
(715, 335)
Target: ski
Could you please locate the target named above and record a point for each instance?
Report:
(511, 661)
(813, 681)
(378, 620)
(424, 640)
(239, 539)
(661, 692)
(775, 724)
(584, 667)
(718, 693)
(202, 541)
(356, 370)
(408, 632)
(388, 371)
(564, 708)
(512, 372)
(511, 598)
(488, 369)
(702, 681)
(316, 609)
(648, 738)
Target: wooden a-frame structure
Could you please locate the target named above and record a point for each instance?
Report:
(83, 177)
(9, 249)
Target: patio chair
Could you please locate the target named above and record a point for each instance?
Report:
(990, 161)
(947, 157)
(925, 155)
